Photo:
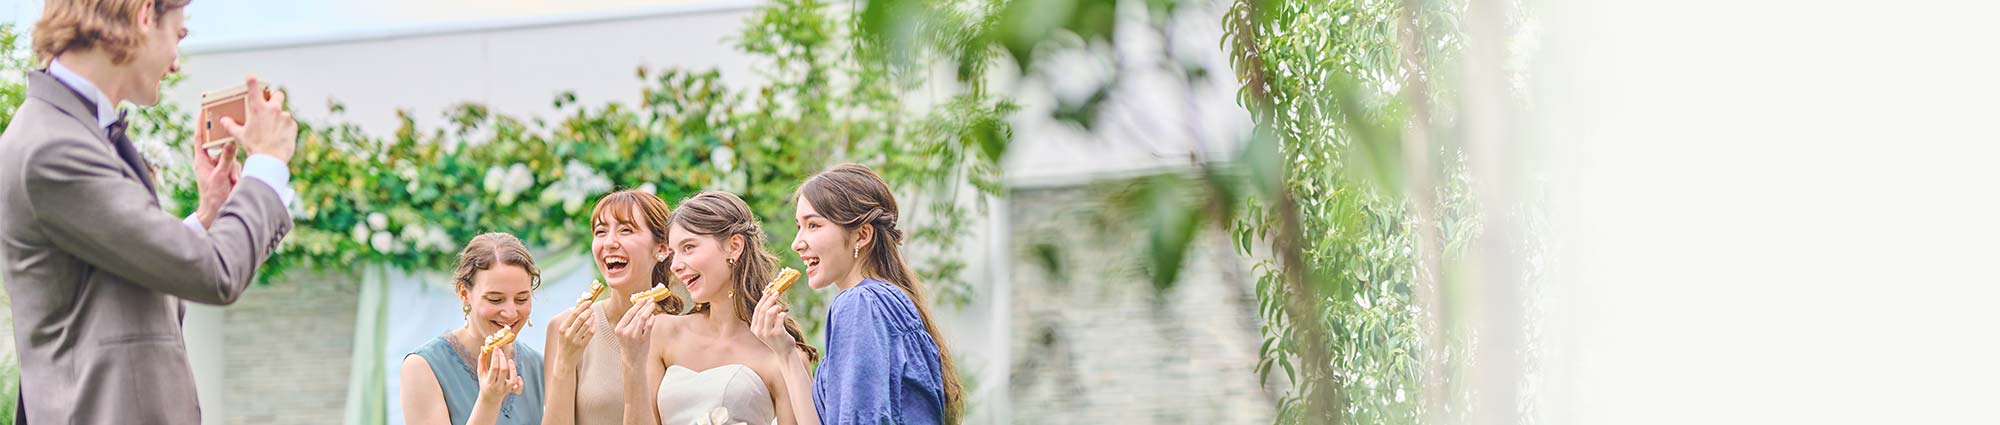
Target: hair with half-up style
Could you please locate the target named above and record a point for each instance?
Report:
(490, 249)
(722, 215)
(853, 196)
(618, 206)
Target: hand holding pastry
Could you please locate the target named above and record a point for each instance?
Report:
(497, 376)
(649, 296)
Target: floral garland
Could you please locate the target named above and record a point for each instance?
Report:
(406, 201)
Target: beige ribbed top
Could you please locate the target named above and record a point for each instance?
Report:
(600, 379)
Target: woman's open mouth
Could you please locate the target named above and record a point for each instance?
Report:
(691, 282)
(614, 266)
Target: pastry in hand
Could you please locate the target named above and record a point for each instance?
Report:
(784, 281)
(659, 292)
(498, 339)
(596, 288)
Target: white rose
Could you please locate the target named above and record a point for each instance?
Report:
(156, 152)
(378, 221)
(493, 176)
(596, 183)
(360, 233)
(382, 242)
(554, 193)
(438, 238)
(519, 178)
(413, 235)
(724, 158)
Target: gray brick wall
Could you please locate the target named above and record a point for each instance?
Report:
(1102, 347)
(288, 348)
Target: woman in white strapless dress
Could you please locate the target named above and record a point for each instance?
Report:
(691, 397)
(680, 370)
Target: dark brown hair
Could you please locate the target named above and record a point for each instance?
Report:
(721, 215)
(854, 196)
(618, 205)
(487, 250)
(68, 25)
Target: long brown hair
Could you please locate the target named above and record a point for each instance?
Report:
(721, 215)
(618, 205)
(854, 196)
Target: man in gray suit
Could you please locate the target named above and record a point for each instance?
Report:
(96, 268)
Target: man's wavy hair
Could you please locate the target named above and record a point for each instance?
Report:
(111, 25)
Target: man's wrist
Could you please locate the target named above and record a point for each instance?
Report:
(272, 171)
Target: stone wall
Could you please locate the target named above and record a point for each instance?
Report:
(288, 347)
(1101, 346)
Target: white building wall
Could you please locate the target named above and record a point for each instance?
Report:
(515, 66)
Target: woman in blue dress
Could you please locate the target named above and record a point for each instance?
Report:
(885, 361)
(448, 380)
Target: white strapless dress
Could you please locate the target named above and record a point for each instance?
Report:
(690, 397)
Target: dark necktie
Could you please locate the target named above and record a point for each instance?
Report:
(129, 153)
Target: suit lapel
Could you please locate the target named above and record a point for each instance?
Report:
(47, 88)
(65, 98)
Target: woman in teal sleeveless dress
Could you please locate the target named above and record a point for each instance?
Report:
(448, 380)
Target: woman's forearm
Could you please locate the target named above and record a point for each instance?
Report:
(638, 407)
(485, 411)
(560, 408)
(798, 386)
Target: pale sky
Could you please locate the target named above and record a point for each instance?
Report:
(229, 21)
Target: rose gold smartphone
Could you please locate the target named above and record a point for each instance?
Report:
(232, 102)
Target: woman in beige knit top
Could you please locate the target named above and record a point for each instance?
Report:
(584, 370)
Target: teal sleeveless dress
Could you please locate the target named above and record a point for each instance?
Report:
(461, 385)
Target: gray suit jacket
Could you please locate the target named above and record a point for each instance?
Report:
(97, 270)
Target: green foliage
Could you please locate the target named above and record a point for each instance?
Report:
(10, 386)
(13, 91)
(13, 72)
(1331, 75)
(1321, 183)
(10, 368)
(844, 91)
